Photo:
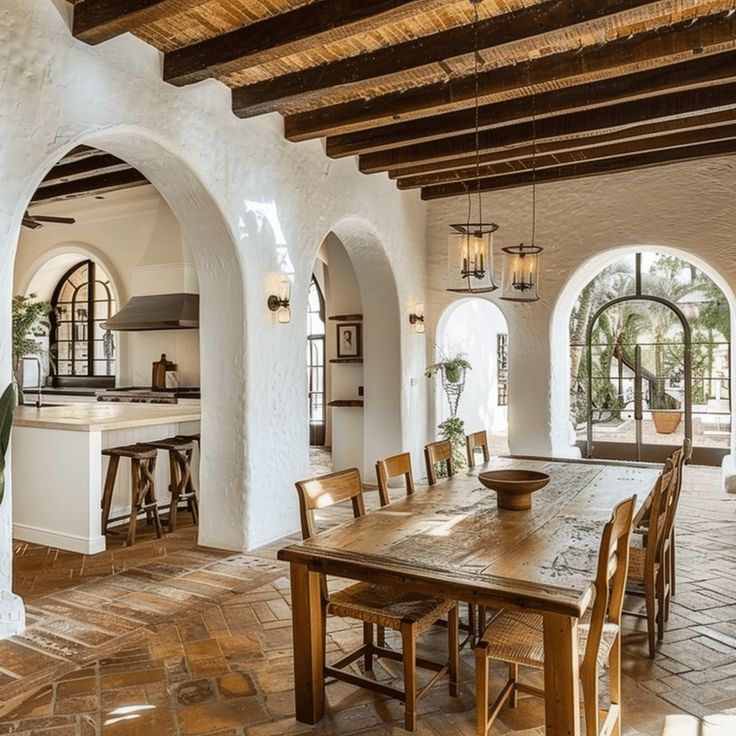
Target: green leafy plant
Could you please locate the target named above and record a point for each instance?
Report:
(452, 371)
(7, 404)
(30, 320)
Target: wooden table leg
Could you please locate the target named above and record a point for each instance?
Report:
(561, 676)
(308, 622)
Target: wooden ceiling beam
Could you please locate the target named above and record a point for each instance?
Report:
(583, 122)
(273, 38)
(700, 71)
(444, 170)
(584, 169)
(564, 156)
(99, 20)
(82, 167)
(91, 186)
(524, 23)
(668, 45)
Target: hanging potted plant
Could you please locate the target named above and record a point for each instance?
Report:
(452, 373)
(30, 320)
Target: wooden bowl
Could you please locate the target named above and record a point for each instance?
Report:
(514, 488)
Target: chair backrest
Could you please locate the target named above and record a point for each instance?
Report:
(392, 467)
(611, 573)
(687, 450)
(474, 441)
(328, 490)
(678, 462)
(659, 514)
(438, 452)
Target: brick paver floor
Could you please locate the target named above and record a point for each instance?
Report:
(170, 639)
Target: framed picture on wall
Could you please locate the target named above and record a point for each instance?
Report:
(349, 340)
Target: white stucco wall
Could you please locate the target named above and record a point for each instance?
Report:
(250, 205)
(686, 208)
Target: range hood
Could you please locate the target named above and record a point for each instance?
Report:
(157, 312)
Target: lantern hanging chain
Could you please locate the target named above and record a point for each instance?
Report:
(477, 109)
(534, 169)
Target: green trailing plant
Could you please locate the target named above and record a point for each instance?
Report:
(7, 404)
(452, 372)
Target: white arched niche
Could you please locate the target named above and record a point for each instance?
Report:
(562, 433)
(359, 279)
(472, 326)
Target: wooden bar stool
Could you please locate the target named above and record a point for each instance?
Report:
(181, 488)
(142, 487)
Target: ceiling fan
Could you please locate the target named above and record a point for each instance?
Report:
(33, 222)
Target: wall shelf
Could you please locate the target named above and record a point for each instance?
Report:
(345, 402)
(347, 317)
(346, 360)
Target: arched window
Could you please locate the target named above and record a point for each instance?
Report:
(82, 351)
(316, 363)
(650, 361)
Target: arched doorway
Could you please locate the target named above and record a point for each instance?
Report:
(650, 361)
(362, 348)
(477, 328)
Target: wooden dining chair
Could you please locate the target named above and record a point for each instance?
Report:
(687, 454)
(409, 613)
(647, 563)
(476, 441)
(394, 467)
(516, 638)
(438, 452)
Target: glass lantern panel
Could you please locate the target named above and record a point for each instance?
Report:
(520, 277)
(470, 263)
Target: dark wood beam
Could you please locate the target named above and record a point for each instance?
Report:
(99, 20)
(583, 122)
(273, 38)
(660, 47)
(82, 167)
(630, 134)
(700, 71)
(584, 169)
(587, 153)
(308, 84)
(90, 186)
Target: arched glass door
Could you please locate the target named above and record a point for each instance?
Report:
(651, 365)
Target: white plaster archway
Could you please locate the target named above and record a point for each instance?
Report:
(222, 337)
(471, 325)
(562, 436)
(382, 353)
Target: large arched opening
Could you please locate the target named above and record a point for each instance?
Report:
(219, 268)
(362, 346)
(642, 335)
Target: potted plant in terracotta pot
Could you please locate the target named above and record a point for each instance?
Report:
(30, 320)
(452, 373)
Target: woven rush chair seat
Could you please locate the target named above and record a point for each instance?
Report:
(637, 559)
(518, 636)
(388, 607)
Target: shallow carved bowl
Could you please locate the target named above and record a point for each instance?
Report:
(514, 488)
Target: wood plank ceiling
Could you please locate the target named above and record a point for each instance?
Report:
(582, 87)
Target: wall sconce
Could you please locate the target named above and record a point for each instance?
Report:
(416, 318)
(281, 302)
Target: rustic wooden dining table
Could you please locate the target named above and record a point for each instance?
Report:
(451, 541)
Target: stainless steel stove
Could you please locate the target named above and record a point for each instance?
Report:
(146, 395)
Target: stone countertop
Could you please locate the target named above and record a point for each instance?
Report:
(104, 416)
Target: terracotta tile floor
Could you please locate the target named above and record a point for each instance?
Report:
(168, 638)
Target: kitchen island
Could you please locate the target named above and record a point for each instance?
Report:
(58, 468)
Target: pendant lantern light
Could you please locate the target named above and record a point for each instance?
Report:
(470, 244)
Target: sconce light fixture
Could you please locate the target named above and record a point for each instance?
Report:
(416, 318)
(281, 302)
